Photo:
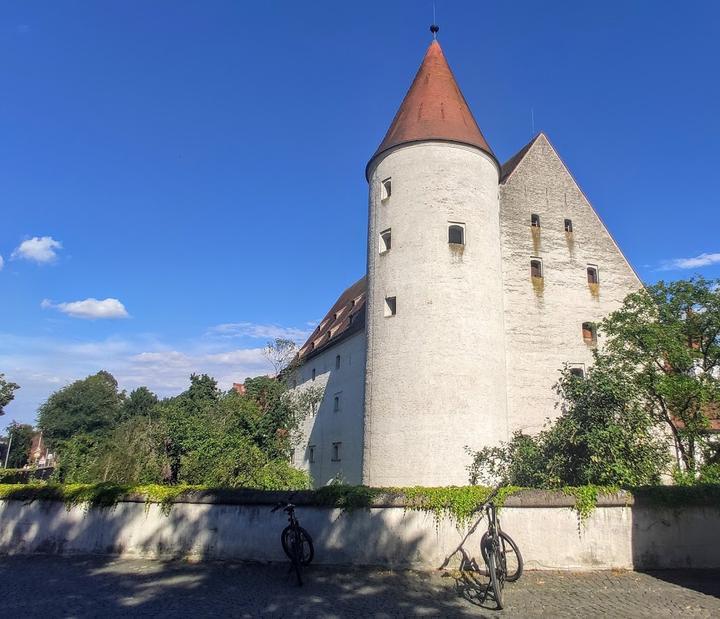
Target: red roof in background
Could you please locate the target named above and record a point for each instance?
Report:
(434, 109)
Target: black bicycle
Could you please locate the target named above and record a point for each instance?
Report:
(501, 554)
(296, 541)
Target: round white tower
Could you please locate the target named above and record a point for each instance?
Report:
(436, 377)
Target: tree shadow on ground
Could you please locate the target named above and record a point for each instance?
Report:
(53, 586)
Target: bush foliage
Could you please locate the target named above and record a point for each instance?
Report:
(201, 437)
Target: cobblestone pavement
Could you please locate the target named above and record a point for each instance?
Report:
(44, 586)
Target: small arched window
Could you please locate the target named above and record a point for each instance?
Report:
(536, 269)
(535, 220)
(456, 234)
(385, 240)
(568, 225)
(592, 274)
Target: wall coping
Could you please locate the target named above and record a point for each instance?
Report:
(670, 496)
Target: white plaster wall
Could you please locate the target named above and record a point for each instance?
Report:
(436, 371)
(549, 538)
(328, 426)
(544, 328)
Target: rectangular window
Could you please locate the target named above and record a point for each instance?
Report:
(456, 234)
(336, 402)
(536, 267)
(568, 225)
(589, 331)
(311, 454)
(577, 370)
(390, 306)
(385, 240)
(337, 362)
(336, 452)
(386, 189)
(535, 220)
(592, 274)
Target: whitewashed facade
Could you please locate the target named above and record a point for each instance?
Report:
(483, 281)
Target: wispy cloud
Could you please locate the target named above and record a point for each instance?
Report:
(42, 365)
(702, 260)
(2, 263)
(89, 309)
(259, 332)
(40, 249)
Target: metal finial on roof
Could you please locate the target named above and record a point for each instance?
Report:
(434, 29)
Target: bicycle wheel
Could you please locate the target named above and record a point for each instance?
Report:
(511, 553)
(306, 551)
(496, 575)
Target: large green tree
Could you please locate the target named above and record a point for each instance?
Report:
(19, 441)
(7, 392)
(666, 340)
(90, 406)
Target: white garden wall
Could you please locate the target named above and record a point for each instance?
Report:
(550, 537)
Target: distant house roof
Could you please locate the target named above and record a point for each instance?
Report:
(346, 316)
(434, 108)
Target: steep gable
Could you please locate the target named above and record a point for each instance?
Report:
(544, 316)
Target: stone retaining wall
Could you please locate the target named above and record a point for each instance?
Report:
(621, 533)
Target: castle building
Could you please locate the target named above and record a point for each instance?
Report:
(483, 281)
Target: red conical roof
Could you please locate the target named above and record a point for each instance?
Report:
(434, 109)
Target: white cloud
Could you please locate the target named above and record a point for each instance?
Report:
(260, 332)
(42, 364)
(89, 309)
(38, 249)
(702, 260)
(2, 263)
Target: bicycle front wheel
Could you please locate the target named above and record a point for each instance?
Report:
(298, 546)
(496, 576)
(513, 561)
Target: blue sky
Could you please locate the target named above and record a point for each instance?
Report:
(199, 166)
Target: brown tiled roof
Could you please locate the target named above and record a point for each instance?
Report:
(509, 166)
(346, 316)
(434, 109)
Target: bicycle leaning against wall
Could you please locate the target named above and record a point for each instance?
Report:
(296, 541)
(501, 554)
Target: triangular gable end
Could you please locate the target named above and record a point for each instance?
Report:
(516, 163)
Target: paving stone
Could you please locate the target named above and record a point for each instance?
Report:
(50, 586)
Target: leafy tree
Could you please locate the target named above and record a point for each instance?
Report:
(7, 392)
(666, 340)
(604, 436)
(20, 437)
(139, 403)
(90, 406)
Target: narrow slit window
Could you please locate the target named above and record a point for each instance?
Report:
(336, 402)
(568, 225)
(336, 452)
(337, 362)
(385, 240)
(592, 274)
(535, 220)
(313, 374)
(589, 332)
(390, 306)
(456, 234)
(311, 454)
(386, 189)
(536, 268)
